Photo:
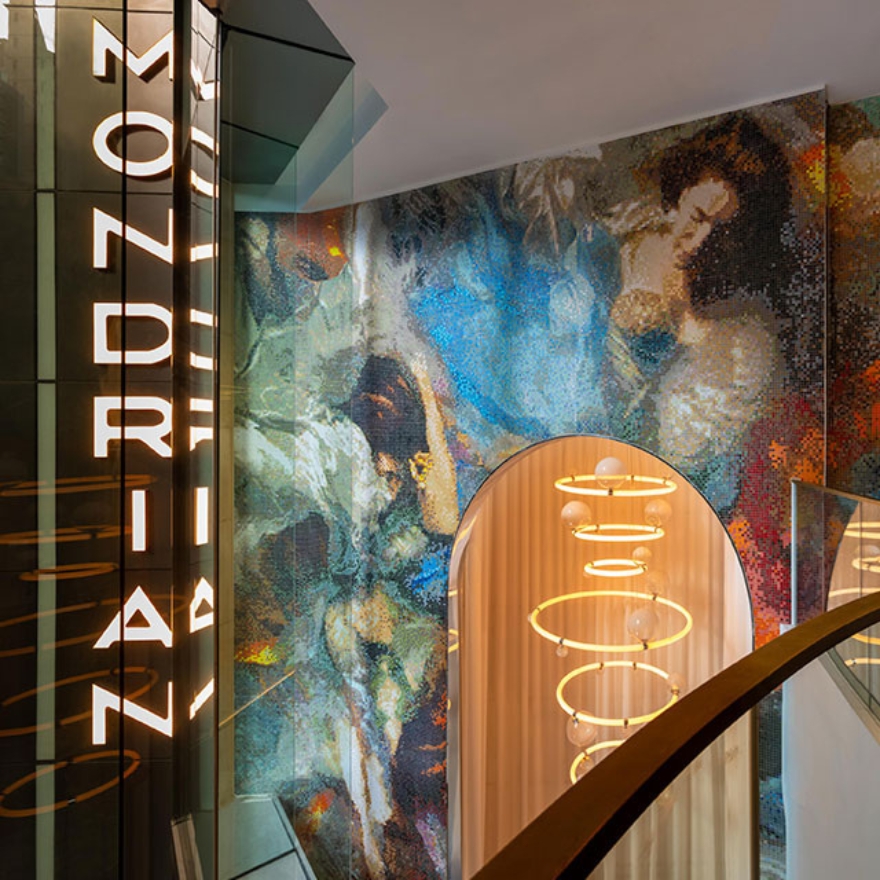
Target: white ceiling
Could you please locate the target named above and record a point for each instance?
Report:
(477, 84)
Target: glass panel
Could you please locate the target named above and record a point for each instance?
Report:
(195, 784)
(18, 312)
(292, 738)
(701, 826)
(100, 661)
(837, 542)
(856, 572)
(828, 756)
(18, 57)
(61, 537)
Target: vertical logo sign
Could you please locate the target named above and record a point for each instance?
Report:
(139, 415)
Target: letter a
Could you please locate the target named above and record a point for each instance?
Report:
(155, 629)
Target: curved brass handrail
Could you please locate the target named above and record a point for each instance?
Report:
(572, 836)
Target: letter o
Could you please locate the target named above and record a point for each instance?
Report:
(153, 167)
(199, 184)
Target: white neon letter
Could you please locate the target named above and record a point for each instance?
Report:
(204, 595)
(142, 119)
(153, 630)
(103, 226)
(105, 43)
(138, 520)
(200, 433)
(206, 91)
(103, 701)
(201, 698)
(205, 319)
(47, 20)
(151, 435)
(199, 184)
(202, 252)
(103, 354)
(201, 515)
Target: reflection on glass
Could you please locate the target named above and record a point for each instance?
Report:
(297, 742)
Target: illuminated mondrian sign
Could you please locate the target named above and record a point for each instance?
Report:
(137, 144)
(107, 468)
(107, 490)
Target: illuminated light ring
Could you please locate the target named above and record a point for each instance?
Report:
(618, 532)
(78, 799)
(866, 640)
(868, 529)
(65, 535)
(612, 649)
(31, 649)
(862, 661)
(589, 752)
(69, 572)
(851, 591)
(570, 711)
(867, 563)
(73, 485)
(653, 486)
(615, 568)
(74, 679)
(454, 640)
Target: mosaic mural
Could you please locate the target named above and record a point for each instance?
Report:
(666, 290)
(854, 275)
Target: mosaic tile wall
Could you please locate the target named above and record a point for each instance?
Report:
(666, 290)
(854, 275)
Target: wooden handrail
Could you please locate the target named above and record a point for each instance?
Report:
(575, 833)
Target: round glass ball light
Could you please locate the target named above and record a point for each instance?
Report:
(656, 581)
(643, 555)
(870, 551)
(642, 623)
(676, 683)
(611, 473)
(657, 512)
(580, 733)
(576, 514)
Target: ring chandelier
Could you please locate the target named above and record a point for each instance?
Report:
(614, 664)
(866, 640)
(563, 642)
(615, 568)
(859, 591)
(853, 591)
(68, 801)
(867, 563)
(589, 752)
(866, 529)
(454, 640)
(862, 661)
(591, 484)
(619, 532)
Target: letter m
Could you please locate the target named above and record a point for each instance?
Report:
(104, 43)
